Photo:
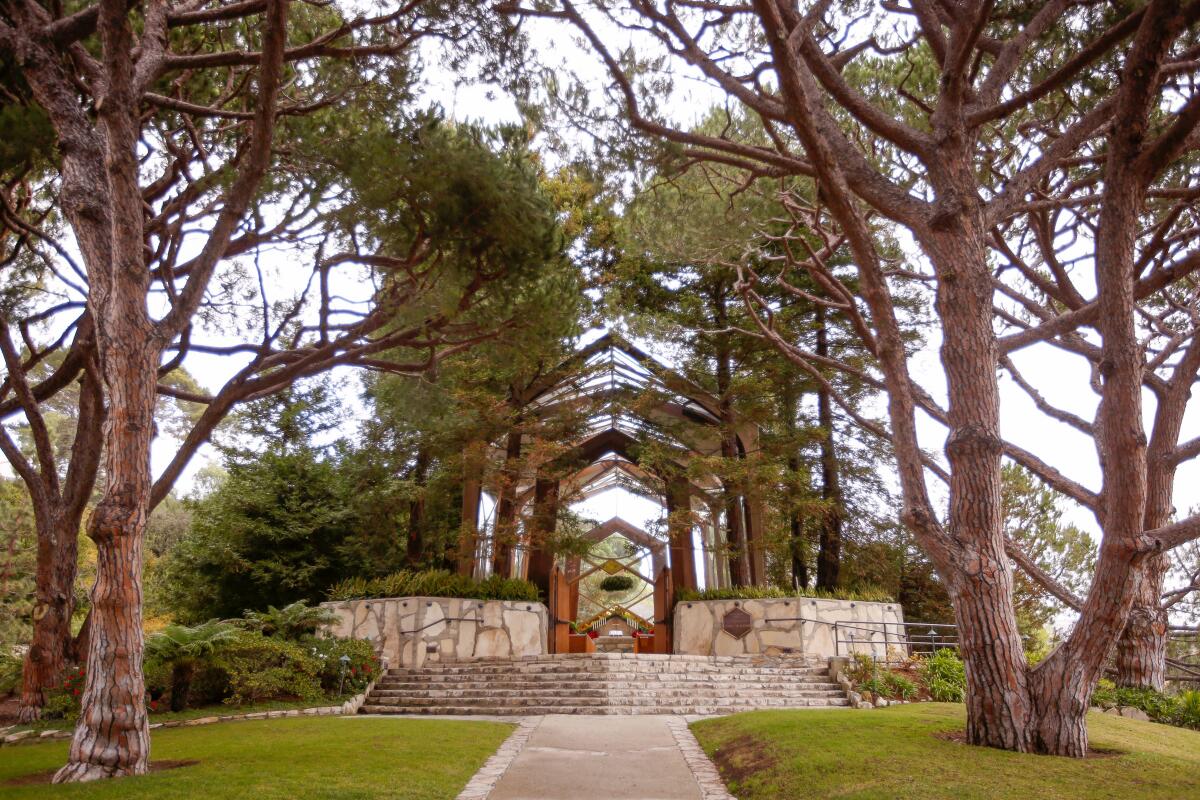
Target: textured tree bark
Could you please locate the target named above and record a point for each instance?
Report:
(980, 582)
(50, 645)
(1141, 653)
(112, 737)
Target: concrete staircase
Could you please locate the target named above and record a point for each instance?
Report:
(605, 683)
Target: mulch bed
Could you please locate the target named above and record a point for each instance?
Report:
(739, 758)
(39, 778)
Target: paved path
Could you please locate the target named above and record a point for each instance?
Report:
(584, 757)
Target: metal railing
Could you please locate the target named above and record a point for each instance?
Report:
(886, 642)
(891, 642)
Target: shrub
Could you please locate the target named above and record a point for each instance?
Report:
(10, 674)
(1188, 709)
(434, 583)
(863, 669)
(293, 622)
(1182, 710)
(616, 583)
(62, 701)
(867, 594)
(945, 676)
(262, 668)
(1105, 695)
(361, 669)
(898, 687)
(182, 649)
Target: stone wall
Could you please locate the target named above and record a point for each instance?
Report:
(410, 631)
(773, 628)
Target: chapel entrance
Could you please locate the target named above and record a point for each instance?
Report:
(617, 598)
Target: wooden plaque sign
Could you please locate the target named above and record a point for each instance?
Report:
(737, 623)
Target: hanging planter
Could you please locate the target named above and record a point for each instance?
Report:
(617, 583)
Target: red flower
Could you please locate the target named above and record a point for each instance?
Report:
(76, 692)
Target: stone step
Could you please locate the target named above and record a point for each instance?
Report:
(451, 671)
(605, 684)
(575, 699)
(603, 693)
(607, 708)
(518, 685)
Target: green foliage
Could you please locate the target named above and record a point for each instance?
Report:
(898, 687)
(360, 670)
(292, 622)
(26, 137)
(1181, 710)
(10, 673)
(864, 594)
(62, 701)
(616, 583)
(1187, 712)
(181, 650)
(868, 677)
(176, 643)
(18, 565)
(283, 524)
(945, 676)
(266, 656)
(434, 583)
(262, 668)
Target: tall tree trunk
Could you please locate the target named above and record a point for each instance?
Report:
(796, 543)
(829, 554)
(1141, 652)
(50, 645)
(981, 582)
(735, 524)
(415, 550)
(112, 737)
(505, 530)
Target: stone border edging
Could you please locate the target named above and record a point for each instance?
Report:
(484, 781)
(701, 766)
(347, 708)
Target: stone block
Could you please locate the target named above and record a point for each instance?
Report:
(202, 721)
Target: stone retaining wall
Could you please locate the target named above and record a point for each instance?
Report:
(774, 630)
(410, 631)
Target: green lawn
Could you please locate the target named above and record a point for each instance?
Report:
(310, 758)
(893, 753)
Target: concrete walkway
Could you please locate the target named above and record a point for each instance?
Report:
(584, 757)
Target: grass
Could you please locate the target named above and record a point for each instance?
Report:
(218, 710)
(894, 753)
(280, 759)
